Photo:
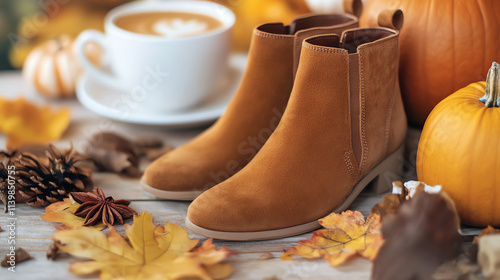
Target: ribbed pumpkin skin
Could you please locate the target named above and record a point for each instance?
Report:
(460, 150)
(52, 68)
(444, 46)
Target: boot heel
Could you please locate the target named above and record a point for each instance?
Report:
(391, 170)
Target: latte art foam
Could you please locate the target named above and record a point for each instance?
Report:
(168, 24)
(178, 27)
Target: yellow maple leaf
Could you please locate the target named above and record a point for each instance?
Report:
(63, 212)
(27, 123)
(151, 252)
(346, 236)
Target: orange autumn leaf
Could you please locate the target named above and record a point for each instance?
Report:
(346, 236)
(63, 212)
(210, 257)
(27, 123)
(149, 252)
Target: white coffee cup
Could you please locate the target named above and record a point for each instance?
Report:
(161, 73)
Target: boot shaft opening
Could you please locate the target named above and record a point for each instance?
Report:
(307, 22)
(352, 39)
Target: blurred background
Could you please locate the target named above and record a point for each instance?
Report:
(26, 24)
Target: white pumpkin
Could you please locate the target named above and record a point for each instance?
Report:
(52, 68)
(333, 6)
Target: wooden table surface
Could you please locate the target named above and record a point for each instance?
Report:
(33, 233)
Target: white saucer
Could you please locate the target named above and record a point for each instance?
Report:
(99, 98)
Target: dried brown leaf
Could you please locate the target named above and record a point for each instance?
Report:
(20, 256)
(113, 153)
(417, 240)
(389, 205)
(53, 250)
(148, 143)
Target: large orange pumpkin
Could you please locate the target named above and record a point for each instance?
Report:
(444, 46)
(459, 150)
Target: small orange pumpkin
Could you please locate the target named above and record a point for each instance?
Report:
(52, 68)
(459, 150)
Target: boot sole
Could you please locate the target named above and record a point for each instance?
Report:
(171, 195)
(376, 176)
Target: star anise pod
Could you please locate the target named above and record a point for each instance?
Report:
(96, 207)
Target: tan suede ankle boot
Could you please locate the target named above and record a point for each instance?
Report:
(343, 128)
(251, 117)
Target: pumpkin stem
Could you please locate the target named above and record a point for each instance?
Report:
(492, 96)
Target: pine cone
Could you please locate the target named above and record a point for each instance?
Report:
(42, 182)
(4, 174)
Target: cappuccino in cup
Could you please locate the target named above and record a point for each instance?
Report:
(163, 55)
(168, 24)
